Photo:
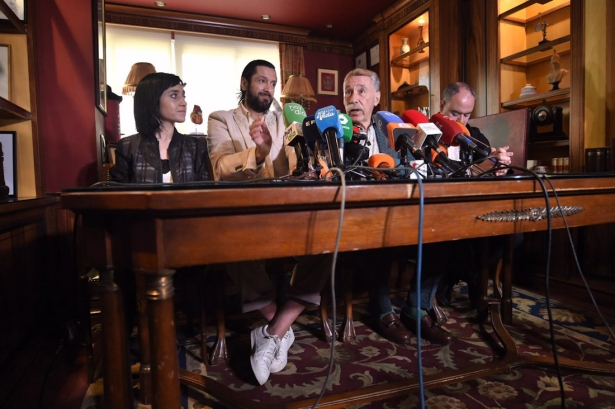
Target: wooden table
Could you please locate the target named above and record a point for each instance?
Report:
(155, 230)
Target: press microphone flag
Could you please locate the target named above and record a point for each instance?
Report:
(425, 129)
(330, 127)
(293, 112)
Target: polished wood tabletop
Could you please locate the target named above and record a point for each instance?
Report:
(160, 228)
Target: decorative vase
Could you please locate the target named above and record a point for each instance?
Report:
(404, 46)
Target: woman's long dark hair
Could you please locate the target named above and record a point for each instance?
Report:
(147, 101)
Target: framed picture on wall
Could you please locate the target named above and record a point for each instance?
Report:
(9, 164)
(18, 7)
(5, 71)
(361, 61)
(374, 55)
(327, 82)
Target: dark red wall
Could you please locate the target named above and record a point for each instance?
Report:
(66, 113)
(341, 63)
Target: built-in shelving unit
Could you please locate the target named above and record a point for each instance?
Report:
(18, 107)
(409, 65)
(530, 34)
(9, 110)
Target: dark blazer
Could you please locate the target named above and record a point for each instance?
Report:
(137, 159)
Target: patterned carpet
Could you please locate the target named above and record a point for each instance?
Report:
(372, 360)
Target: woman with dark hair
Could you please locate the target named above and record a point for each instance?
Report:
(158, 153)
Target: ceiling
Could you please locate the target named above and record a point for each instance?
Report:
(349, 18)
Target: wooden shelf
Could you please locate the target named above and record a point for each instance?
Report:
(8, 110)
(554, 97)
(14, 24)
(548, 143)
(409, 91)
(507, 15)
(542, 47)
(402, 59)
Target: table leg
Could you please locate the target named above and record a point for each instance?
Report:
(164, 361)
(145, 369)
(118, 388)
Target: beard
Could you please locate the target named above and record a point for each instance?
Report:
(256, 104)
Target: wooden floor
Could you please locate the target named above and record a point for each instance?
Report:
(53, 374)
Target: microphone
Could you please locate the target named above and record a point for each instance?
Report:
(381, 160)
(293, 115)
(359, 133)
(330, 127)
(314, 143)
(399, 133)
(354, 151)
(480, 152)
(453, 134)
(425, 129)
(429, 135)
(347, 126)
(293, 112)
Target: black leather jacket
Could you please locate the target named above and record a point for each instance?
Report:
(137, 159)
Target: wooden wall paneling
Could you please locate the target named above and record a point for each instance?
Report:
(33, 75)
(577, 86)
(447, 48)
(492, 49)
(610, 77)
(61, 259)
(9, 304)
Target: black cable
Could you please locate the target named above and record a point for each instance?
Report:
(547, 276)
(576, 259)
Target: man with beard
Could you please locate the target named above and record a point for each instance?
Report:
(248, 143)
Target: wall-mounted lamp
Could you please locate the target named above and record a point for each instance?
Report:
(298, 89)
(136, 74)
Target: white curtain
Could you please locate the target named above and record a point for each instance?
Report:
(211, 67)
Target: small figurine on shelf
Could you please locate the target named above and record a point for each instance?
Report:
(557, 73)
(196, 117)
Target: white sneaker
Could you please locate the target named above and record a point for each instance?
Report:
(285, 343)
(265, 349)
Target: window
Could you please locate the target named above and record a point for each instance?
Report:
(211, 67)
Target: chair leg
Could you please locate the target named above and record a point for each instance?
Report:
(440, 315)
(507, 280)
(203, 321)
(328, 332)
(483, 283)
(347, 331)
(497, 283)
(219, 351)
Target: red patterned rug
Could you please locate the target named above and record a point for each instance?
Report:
(372, 360)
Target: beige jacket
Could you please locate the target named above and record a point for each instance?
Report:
(232, 151)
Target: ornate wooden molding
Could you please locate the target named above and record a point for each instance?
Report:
(325, 45)
(177, 21)
(171, 20)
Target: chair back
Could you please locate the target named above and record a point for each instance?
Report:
(510, 129)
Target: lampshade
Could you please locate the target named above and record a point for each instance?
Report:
(136, 74)
(298, 89)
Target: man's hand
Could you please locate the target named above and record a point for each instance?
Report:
(262, 138)
(503, 157)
